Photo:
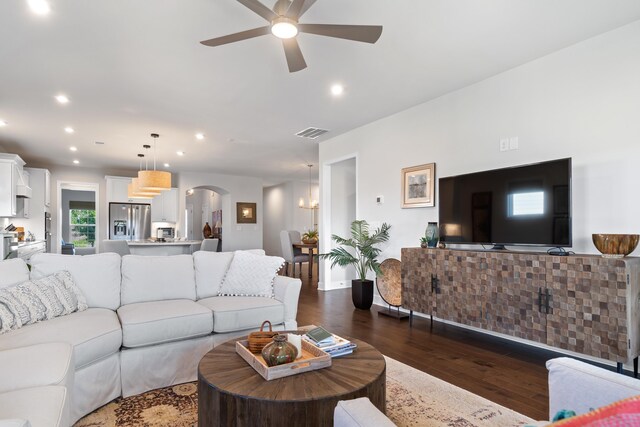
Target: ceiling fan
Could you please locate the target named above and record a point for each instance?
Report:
(284, 24)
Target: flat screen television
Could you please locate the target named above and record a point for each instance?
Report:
(524, 205)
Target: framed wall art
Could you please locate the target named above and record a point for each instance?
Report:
(418, 186)
(245, 213)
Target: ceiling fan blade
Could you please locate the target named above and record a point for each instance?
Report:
(260, 9)
(236, 37)
(359, 33)
(292, 51)
(294, 10)
(307, 4)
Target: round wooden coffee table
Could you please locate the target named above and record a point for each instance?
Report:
(232, 393)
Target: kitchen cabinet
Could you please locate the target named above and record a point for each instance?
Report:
(164, 207)
(47, 190)
(10, 170)
(24, 204)
(118, 192)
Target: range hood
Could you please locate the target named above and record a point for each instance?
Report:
(23, 191)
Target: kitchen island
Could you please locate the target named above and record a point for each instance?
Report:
(153, 247)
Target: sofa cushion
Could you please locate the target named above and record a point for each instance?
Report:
(157, 278)
(41, 406)
(94, 333)
(36, 365)
(238, 313)
(39, 299)
(13, 271)
(156, 322)
(97, 276)
(251, 275)
(211, 267)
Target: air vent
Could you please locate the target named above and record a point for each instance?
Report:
(311, 133)
(99, 143)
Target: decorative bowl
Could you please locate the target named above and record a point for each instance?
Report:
(615, 245)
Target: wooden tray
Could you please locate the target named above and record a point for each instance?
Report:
(312, 358)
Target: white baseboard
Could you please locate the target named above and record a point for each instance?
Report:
(340, 284)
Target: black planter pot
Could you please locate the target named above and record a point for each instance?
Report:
(362, 293)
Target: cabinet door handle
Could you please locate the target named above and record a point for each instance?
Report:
(540, 300)
(547, 299)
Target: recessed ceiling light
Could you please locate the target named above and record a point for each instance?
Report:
(166, 165)
(200, 136)
(72, 148)
(337, 90)
(3, 123)
(180, 153)
(62, 99)
(75, 162)
(39, 7)
(69, 129)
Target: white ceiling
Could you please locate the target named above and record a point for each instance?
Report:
(132, 67)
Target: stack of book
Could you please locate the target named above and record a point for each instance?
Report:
(330, 343)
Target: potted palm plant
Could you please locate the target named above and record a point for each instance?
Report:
(360, 251)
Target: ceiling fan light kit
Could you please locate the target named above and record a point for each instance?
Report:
(154, 180)
(284, 28)
(283, 20)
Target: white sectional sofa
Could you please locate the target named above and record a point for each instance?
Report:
(149, 322)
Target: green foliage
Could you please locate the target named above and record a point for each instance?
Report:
(83, 227)
(363, 251)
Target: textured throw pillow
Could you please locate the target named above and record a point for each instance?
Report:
(624, 412)
(251, 275)
(41, 299)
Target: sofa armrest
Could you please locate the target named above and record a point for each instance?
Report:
(359, 413)
(580, 387)
(36, 366)
(287, 290)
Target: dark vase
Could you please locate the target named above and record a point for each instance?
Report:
(206, 231)
(362, 293)
(279, 351)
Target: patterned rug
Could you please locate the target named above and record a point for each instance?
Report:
(413, 399)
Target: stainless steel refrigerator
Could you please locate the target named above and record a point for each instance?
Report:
(129, 221)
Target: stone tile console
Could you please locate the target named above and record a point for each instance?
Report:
(582, 303)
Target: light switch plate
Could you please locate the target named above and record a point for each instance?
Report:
(380, 200)
(504, 144)
(514, 143)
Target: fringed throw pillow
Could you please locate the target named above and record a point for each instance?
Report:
(37, 300)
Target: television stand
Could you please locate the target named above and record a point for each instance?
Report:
(497, 247)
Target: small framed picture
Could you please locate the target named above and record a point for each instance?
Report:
(245, 213)
(418, 186)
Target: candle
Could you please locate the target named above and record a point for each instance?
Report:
(296, 340)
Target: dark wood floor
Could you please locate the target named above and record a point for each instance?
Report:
(508, 373)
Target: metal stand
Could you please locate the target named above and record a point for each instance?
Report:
(397, 314)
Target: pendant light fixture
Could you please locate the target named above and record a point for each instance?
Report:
(133, 189)
(313, 204)
(154, 180)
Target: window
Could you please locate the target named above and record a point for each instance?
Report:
(531, 203)
(82, 227)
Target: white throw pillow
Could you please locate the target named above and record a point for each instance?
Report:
(39, 299)
(251, 275)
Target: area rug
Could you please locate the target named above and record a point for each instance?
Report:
(413, 399)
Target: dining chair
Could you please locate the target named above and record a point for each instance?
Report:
(121, 247)
(290, 254)
(209, 245)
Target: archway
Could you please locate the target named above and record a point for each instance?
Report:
(205, 204)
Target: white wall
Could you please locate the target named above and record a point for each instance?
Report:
(281, 212)
(581, 102)
(342, 214)
(233, 189)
